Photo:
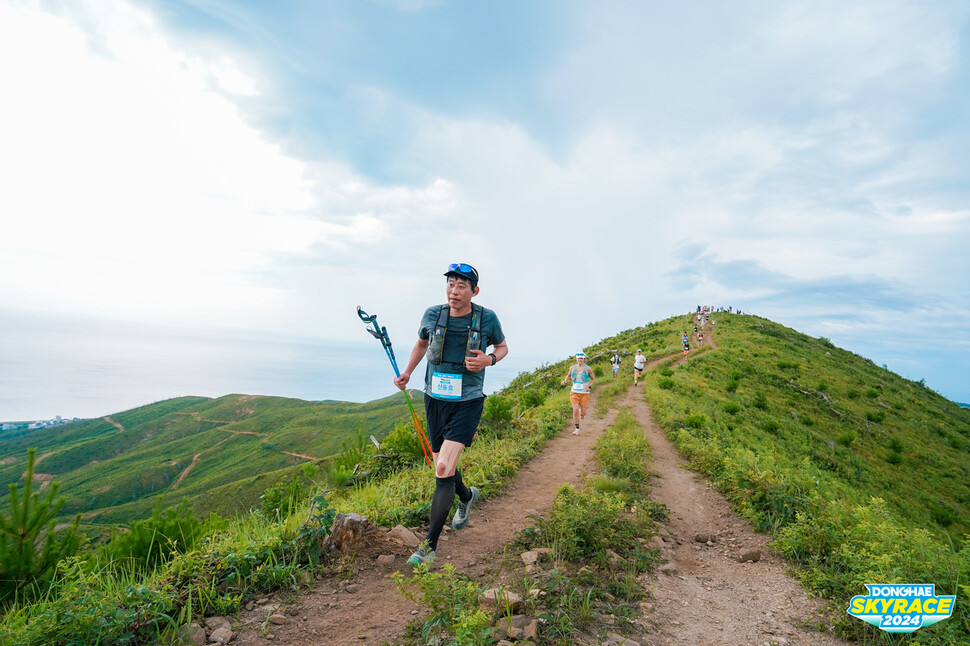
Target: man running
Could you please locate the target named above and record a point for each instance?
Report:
(453, 337)
(639, 362)
(615, 362)
(582, 378)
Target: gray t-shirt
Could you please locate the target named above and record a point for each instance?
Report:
(452, 357)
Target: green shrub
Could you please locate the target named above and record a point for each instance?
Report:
(696, 420)
(760, 400)
(532, 398)
(731, 408)
(149, 543)
(498, 409)
(846, 439)
(943, 515)
(666, 383)
(339, 475)
(894, 457)
(770, 426)
(403, 445)
(453, 600)
(872, 393)
(582, 523)
(875, 416)
(732, 385)
(281, 499)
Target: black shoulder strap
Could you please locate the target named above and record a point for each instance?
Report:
(477, 314)
(443, 316)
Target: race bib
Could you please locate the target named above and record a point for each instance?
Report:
(579, 387)
(445, 385)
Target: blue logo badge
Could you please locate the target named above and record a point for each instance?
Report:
(901, 607)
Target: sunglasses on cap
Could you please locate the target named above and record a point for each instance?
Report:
(462, 269)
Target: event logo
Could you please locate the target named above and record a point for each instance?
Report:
(901, 608)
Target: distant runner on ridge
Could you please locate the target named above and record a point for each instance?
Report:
(639, 362)
(615, 362)
(454, 337)
(582, 378)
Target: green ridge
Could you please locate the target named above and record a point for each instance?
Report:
(243, 442)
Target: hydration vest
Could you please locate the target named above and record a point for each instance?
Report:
(436, 347)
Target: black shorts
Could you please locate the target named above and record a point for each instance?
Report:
(452, 420)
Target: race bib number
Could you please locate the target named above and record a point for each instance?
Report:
(445, 385)
(579, 387)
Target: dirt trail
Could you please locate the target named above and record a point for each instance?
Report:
(195, 458)
(301, 455)
(369, 609)
(703, 596)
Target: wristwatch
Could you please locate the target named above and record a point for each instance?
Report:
(494, 358)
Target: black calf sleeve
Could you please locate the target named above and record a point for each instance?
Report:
(444, 497)
(464, 493)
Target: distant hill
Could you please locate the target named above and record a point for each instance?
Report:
(962, 405)
(220, 453)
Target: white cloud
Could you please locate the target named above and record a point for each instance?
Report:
(136, 182)
(132, 185)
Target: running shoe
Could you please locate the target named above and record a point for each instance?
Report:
(424, 554)
(464, 509)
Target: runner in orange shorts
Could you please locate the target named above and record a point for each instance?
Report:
(582, 378)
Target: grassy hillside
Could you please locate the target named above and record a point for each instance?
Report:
(221, 453)
(860, 474)
(833, 421)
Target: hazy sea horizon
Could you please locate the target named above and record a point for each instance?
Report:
(85, 369)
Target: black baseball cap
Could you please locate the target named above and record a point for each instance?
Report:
(463, 270)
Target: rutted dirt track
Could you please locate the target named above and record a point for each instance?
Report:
(703, 596)
(370, 611)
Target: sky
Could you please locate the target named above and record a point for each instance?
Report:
(257, 170)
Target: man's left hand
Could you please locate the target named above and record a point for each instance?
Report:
(477, 361)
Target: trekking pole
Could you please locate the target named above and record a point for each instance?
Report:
(380, 333)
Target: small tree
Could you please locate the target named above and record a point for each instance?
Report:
(29, 545)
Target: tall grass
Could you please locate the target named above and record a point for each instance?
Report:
(859, 474)
(105, 601)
